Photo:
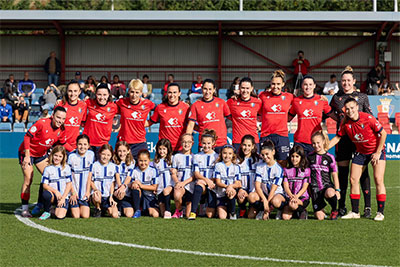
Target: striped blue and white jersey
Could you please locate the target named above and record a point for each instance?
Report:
(228, 175)
(268, 176)
(80, 166)
(248, 174)
(57, 177)
(146, 177)
(103, 176)
(184, 165)
(124, 171)
(204, 164)
(164, 175)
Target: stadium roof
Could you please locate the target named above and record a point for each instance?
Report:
(75, 20)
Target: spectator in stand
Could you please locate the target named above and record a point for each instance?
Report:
(196, 91)
(26, 87)
(171, 79)
(374, 79)
(234, 89)
(90, 88)
(385, 88)
(51, 94)
(331, 87)
(118, 88)
(53, 68)
(10, 90)
(300, 65)
(21, 110)
(147, 88)
(5, 111)
(104, 80)
(78, 77)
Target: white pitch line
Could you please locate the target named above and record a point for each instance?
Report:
(30, 223)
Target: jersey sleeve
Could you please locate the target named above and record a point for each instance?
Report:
(375, 125)
(327, 109)
(68, 173)
(332, 165)
(45, 176)
(278, 177)
(193, 113)
(292, 110)
(342, 130)
(217, 172)
(155, 118)
(238, 176)
(285, 176)
(227, 111)
(174, 162)
(259, 173)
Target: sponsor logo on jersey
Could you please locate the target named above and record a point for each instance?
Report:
(136, 115)
(110, 173)
(33, 129)
(246, 113)
(359, 137)
(49, 141)
(73, 120)
(210, 116)
(308, 112)
(276, 108)
(173, 121)
(100, 117)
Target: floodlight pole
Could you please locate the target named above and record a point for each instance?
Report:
(395, 6)
(375, 5)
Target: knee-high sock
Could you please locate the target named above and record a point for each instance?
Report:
(167, 203)
(40, 195)
(343, 182)
(198, 191)
(333, 202)
(232, 206)
(366, 187)
(136, 199)
(355, 202)
(381, 198)
(46, 196)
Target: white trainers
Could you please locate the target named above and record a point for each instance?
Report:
(260, 215)
(26, 214)
(167, 215)
(379, 217)
(351, 215)
(278, 215)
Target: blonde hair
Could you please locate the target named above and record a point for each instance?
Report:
(55, 150)
(278, 74)
(347, 70)
(136, 84)
(129, 158)
(324, 137)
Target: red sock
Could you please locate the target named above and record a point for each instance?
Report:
(25, 198)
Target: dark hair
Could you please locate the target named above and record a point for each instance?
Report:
(164, 142)
(212, 82)
(65, 97)
(350, 99)
(116, 75)
(143, 152)
(171, 75)
(234, 80)
(165, 97)
(104, 77)
(107, 147)
(59, 108)
(83, 136)
(300, 51)
(268, 144)
(145, 76)
(234, 158)
(209, 133)
(333, 76)
(299, 151)
(308, 77)
(104, 86)
(248, 80)
(254, 155)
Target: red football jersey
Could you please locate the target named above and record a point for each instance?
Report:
(274, 113)
(99, 120)
(363, 132)
(211, 115)
(309, 113)
(172, 121)
(133, 118)
(244, 118)
(42, 137)
(76, 114)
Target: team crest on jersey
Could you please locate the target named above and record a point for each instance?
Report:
(340, 99)
(325, 162)
(58, 134)
(349, 126)
(252, 105)
(356, 98)
(217, 105)
(33, 129)
(79, 110)
(108, 109)
(47, 131)
(143, 107)
(110, 173)
(180, 112)
(301, 102)
(316, 103)
(283, 97)
(165, 111)
(362, 125)
(94, 106)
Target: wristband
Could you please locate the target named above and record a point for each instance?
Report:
(338, 190)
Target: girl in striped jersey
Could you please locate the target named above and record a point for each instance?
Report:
(203, 173)
(101, 178)
(162, 162)
(227, 179)
(145, 182)
(247, 160)
(296, 179)
(56, 182)
(80, 163)
(125, 163)
(268, 184)
(182, 175)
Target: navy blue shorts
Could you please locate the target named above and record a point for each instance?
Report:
(105, 203)
(223, 201)
(211, 199)
(125, 203)
(34, 160)
(345, 149)
(318, 199)
(282, 145)
(95, 150)
(74, 205)
(148, 201)
(66, 206)
(135, 148)
(218, 149)
(363, 159)
(187, 197)
(83, 203)
(308, 149)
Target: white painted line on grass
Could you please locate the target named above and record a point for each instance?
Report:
(30, 223)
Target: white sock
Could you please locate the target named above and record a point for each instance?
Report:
(24, 207)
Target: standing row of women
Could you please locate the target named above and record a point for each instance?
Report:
(274, 106)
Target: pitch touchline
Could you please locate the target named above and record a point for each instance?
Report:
(30, 223)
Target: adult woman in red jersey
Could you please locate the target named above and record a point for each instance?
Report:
(244, 112)
(369, 138)
(101, 112)
(209, 113)
(345, 148)
(76, 112)
(33, 150)
(134, 110)
(172, 116)
(309, 109)
(274, 111)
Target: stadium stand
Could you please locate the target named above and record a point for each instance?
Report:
(19, 127)
(5, 127)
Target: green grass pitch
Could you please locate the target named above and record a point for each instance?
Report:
(356, 241)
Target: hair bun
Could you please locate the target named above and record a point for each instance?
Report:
(348, 69)
(278, 74)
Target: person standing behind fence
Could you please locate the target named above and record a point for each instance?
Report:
(53, 68)
(300, 65)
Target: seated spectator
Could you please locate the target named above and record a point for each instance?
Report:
(385, 88)
(90, 88)
(104, 80)
(11, 90)
(78, 77)
(374, 79)
(45, 114)
(5, 111)
(21, 110)
(331, 87)
(195, 91)
(50, 97)
(234, 89)
(147, 88)
(171, 79)
(26, 87)
(118, 88)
